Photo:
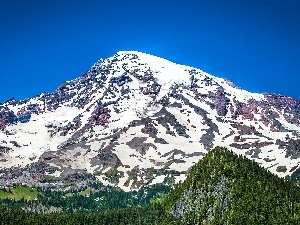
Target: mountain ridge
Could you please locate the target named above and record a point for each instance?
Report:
(141, 117)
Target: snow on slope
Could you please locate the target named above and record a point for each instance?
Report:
(136, 119)
(167, 73)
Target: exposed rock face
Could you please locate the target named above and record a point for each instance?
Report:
(134, 119)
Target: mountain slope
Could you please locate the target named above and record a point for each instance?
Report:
(136, 119)
(224, 188)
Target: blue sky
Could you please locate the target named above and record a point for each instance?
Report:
(254, 43)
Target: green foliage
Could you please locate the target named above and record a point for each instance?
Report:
(151, 214)
(223, 188)
(95, 198)
(19, 192)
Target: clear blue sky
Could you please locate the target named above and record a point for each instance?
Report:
(254, 43)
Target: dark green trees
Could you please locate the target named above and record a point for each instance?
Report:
(223, 188)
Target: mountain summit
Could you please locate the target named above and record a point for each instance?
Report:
(135, 119)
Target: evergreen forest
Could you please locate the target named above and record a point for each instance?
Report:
(222, 188)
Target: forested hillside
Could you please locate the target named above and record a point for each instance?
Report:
(223, 188)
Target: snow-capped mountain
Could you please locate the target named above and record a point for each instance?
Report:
(136, 119)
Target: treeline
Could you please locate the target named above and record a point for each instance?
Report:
(223, 188)
(96, 198)
(150, 214)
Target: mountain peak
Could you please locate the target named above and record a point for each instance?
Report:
(135, 119)
(138, 54)
(167, 73)
(126, 52)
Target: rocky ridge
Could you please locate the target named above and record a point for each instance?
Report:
(135, 119)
